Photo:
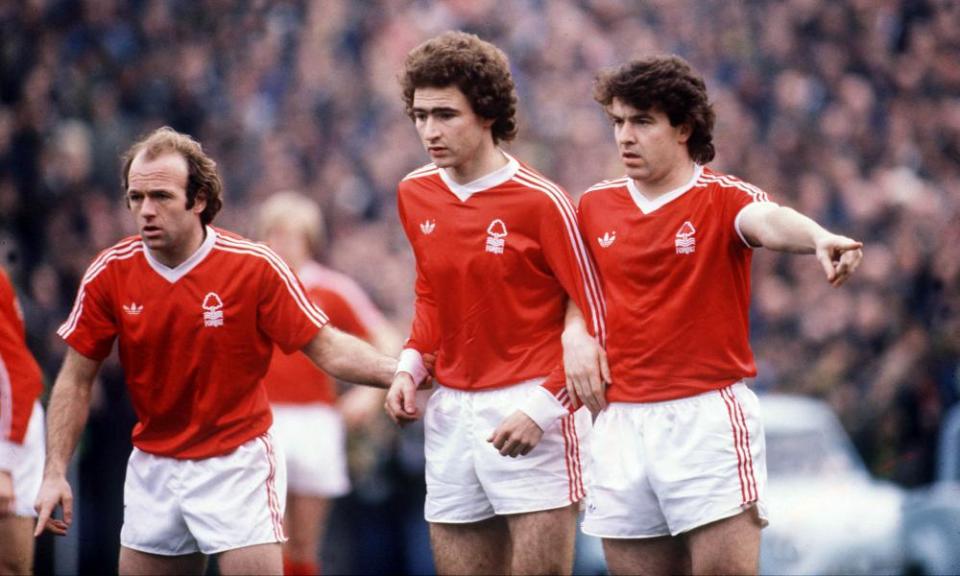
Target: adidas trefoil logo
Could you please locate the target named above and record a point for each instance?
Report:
(607, 239)
(428, 226)
(133, 308)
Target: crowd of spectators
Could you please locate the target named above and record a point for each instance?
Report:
(848, 111)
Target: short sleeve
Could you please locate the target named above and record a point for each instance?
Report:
(92, 325)
(285, 311)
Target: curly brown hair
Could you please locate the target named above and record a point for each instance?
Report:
(669, 84)
(203, 180)
(478, 68)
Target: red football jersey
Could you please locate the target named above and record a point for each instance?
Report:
(21, 380)
(195, 340)
(676, 276)
(294, 378)
(496, 261)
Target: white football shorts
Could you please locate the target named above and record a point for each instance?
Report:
(174, 507)
(467, 478)
(27, 459)
(313, 438)
(665, 468)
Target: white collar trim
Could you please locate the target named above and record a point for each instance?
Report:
(495, 178)
(647, 206)
(173, 274)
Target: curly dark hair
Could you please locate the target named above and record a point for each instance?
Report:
(478, 68)
(203, 180)
(669, 84)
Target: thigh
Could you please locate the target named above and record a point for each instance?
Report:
(137, 563)
(729, 546)
(454, 492)
(236, 500)
(550, 476)
(313, 439)
(474, 548)
(258, 559)
(16, 545)
(666, 555)
(621, 502)
(707, 457)
(543, 541)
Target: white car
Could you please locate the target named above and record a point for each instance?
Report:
(932, 513)
(827, 514)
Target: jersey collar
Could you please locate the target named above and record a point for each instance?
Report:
(495, 178)
(648, 206)
(173, 274)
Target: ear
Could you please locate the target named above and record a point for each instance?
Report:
(488, 123)
(684, 131)
(199, 203)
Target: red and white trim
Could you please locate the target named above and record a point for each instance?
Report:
(6, 403)
(608, 184)
(571, 444)
(236, 246)
(121, 251)
(273, 500)
(588, 274)
(726, 181)
(741, 444)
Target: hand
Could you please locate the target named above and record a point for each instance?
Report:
(586, 369)
(839, 257)
(54, 491)
(516, 435)
(6, 493)
(401, 403)
(430, 362)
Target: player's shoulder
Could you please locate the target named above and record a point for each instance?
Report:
(234, 246)
(722, 183)
(539, 188)
(421, 173)
(120, 254)
(606, 185)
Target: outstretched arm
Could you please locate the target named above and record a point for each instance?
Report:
(349, 358)
(67, 416)
(786, 230)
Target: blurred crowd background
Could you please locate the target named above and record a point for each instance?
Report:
(848, 111)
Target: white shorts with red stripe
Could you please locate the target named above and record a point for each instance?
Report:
(174, 507)
(665, 468)
(469, 481)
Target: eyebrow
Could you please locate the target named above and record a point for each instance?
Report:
(435, 110)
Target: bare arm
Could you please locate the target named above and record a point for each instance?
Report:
(361, 404)
(66, 418)
(349, 358)
(786, 230)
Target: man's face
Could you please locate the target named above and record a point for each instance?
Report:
(450, 131)
(649, 146)
(157, 197)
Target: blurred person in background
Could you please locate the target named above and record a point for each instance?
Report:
(197, 311)
(498, 258)
(679, 469)
(308, 417)
(21, 435)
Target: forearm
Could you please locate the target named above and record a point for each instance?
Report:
(786, 230)
(348, 358)
(66, 418)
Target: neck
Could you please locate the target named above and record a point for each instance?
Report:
(176, 256)
(675, 177)
(488, 159)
